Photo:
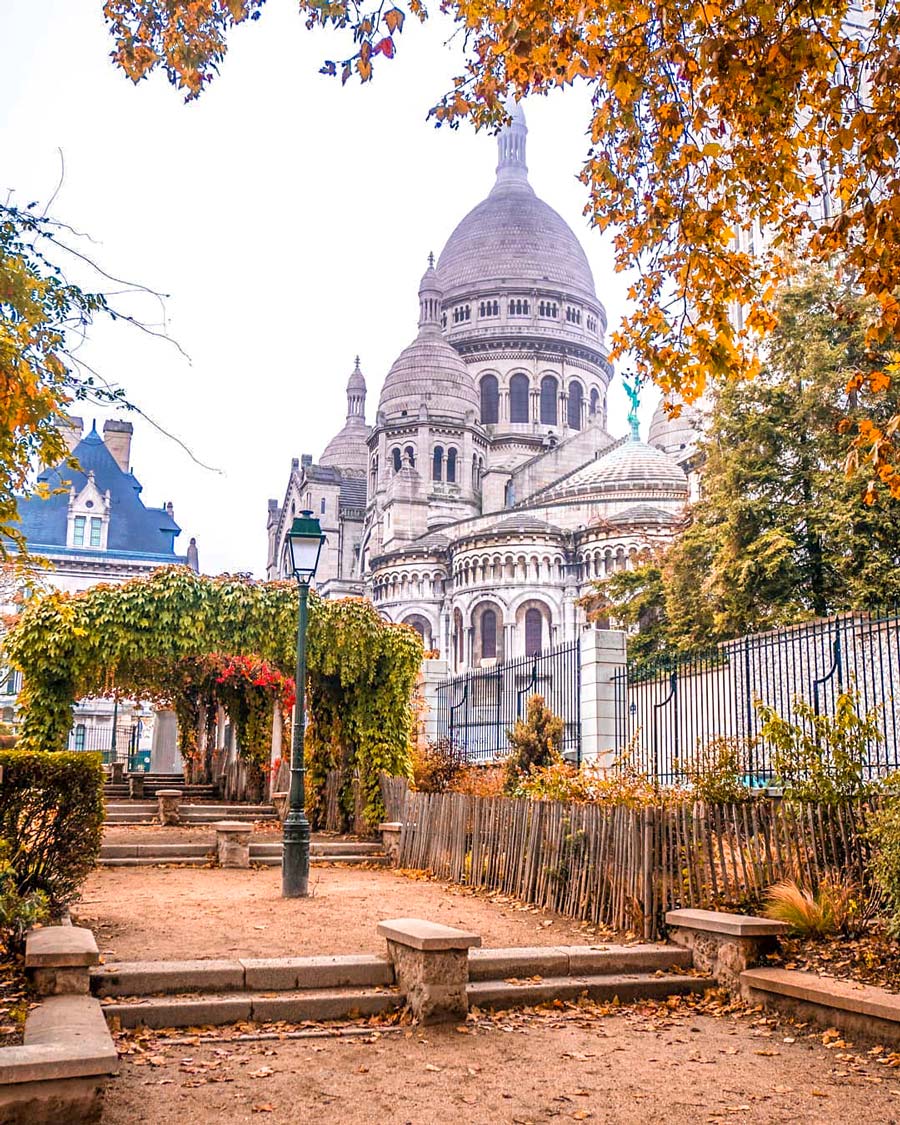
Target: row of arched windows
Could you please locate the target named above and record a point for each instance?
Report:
(488, 629)
(548, 308)
(519, 392)
(518, 307)
(407, 457)
(462, 313)
(573, 315)
(489, 308)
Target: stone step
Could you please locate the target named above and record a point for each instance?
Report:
(624, 987)
(294, 1006)
(253, 974)
(575, 960)
(257, 851)
(263, 861)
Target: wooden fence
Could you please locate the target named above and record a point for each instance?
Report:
(625, 867)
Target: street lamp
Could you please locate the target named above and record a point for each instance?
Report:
(305, 541)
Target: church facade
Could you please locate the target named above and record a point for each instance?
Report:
(488, 496)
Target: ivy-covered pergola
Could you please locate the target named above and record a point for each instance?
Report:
(192, 643)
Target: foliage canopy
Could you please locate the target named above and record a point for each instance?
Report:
(138, 639)
(726, 138)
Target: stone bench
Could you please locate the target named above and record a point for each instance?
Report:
(431, 966)
(58, 1073)
(724, 945)
(861, 1009)
(58, 959)
(233, 843)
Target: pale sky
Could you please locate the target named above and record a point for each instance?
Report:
(287, 219)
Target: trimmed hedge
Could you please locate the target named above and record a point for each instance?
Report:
(51, 817)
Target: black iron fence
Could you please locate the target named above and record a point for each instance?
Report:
(475, 709)
(671, 709)
(86, 736)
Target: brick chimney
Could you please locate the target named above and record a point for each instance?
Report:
(117, 439)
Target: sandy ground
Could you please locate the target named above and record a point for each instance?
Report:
(175, 913)
(639, 1066)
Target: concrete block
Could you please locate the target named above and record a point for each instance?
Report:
(419, 934)
(53, 1101)
(275, 974)
(324, 1004)
(143, 978)
(718, 922)
(169, 1012)
(498, 964)
(60, 947)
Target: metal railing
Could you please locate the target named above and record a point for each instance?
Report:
(667, 710)
(477, 708)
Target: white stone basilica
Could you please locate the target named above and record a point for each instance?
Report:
(489, 495)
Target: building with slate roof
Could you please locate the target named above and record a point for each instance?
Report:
(489, 495)
(94, 527)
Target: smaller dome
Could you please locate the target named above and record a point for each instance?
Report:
(629, 467)
(673, 435)
(430, 372)
(348, 448)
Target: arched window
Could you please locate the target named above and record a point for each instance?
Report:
(518, 398)
(410, 455)
(451, 466)
(534, 631)
(488, 634)
(437, 467)
(509, 494)
(490, 400)
(374, 471)
(575, 398)
(322, 507)
(395, 454)
(595, 402)
(421, 626)
(548, 400)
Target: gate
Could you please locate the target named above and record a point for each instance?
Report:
(475, 709)
(669, 708)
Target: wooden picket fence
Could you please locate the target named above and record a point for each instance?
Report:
(625, 867)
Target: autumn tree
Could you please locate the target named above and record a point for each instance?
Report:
(42, 316)
(779, 533)
(725, 137)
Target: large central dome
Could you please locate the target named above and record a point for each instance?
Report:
(513, 237)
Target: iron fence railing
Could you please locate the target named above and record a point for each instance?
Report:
(84, 736)
(475, 709)
(669, 709)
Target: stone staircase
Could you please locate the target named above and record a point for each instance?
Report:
(158, 994)
(191, 813)
(344, 852)
(154, 781)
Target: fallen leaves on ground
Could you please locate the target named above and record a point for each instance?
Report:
(870, 958)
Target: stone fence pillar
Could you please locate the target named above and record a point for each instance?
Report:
(233, 843)
(602, 656)
(434, 672)
(431, 965)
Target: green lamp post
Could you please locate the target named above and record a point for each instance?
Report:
(305, 541)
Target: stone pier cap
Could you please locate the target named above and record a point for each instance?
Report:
(427, 936)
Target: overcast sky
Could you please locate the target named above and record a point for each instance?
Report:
(287, 219)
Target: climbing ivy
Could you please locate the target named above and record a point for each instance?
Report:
(151, 638)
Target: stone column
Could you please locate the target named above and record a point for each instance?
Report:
(602, 656)
(58, 960)
(169, 800)
(433, 673)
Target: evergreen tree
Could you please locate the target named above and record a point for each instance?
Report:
(782, 531)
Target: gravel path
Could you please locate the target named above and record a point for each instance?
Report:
(521, 1068)
(173, 913)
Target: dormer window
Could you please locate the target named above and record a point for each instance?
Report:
(88, 517)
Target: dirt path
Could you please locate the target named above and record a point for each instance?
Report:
(172, 913)
(531, 1068)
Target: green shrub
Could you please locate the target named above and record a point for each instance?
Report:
(718, 771)
(534, 742)
(51, 818)
(820, 757)
(18, 912)
(884, 835)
